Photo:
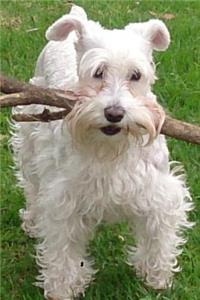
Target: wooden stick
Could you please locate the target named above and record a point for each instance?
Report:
(26, 94)
(9, 85)
(45, 116)
(21, 93)
(37, 96)
(181, 130)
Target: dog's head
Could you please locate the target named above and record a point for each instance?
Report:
(116, 71)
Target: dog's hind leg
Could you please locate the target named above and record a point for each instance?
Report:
(159, 229)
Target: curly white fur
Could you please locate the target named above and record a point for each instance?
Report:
(74, 176)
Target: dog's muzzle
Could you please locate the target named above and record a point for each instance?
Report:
(113, 114)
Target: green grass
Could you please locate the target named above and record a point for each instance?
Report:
(178, 89)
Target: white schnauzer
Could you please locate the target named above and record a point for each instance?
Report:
(106, 161)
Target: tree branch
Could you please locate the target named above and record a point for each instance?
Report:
(45, 116)
(21, 93)
(26, 94)
(181, 130)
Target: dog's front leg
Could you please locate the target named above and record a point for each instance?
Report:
(65, 268)
(66, 271)
(158, 230)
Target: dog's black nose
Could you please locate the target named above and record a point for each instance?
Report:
(114, 113)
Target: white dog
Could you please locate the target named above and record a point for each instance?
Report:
(106, 161)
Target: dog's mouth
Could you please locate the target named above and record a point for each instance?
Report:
(110, 130)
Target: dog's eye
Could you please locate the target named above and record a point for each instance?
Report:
(136, 76)
(98, 74)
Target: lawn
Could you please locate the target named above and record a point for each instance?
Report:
(178, 89)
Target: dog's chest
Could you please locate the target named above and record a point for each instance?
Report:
(106, 193)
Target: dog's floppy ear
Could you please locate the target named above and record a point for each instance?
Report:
(79, 12)
(60, 29)
(155, 31)
(158, 34)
